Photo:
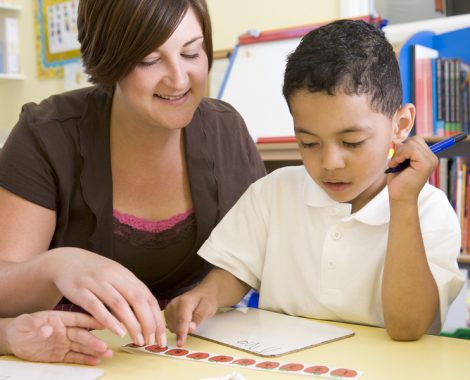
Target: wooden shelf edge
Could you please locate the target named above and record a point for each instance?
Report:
(464, 259)
(10, 7)
(279, 151)
(4, 76)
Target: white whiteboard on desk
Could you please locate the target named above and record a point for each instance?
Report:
(266, 333)
(253, 85)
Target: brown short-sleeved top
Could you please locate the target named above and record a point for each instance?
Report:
(58, 156)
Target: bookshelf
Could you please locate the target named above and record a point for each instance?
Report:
(9, 41)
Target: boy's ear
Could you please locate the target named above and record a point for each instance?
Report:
(403, 122)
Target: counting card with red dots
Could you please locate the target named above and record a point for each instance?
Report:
(294, 368)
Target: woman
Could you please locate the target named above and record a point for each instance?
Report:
(106, 193)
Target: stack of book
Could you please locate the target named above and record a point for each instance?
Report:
(440, 91)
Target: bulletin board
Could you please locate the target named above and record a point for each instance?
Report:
(56, 36)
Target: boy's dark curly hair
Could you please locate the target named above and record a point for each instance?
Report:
(349, 56)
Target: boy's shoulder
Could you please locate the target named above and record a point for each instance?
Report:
(435, 209)
(431, 195)
(286, 174)
(281, 182)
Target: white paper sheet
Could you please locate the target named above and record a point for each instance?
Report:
(14, 370)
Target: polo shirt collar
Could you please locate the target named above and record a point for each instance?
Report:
(374, 213)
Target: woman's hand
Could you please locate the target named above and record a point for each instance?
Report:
(55, 336)
(109, 292)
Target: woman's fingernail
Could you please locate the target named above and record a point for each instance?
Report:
(163, 340)
(140, 340)
(119, 330)
(151, 339)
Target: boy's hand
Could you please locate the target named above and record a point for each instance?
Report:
(407, 184)
(56, 336)
(186, 312)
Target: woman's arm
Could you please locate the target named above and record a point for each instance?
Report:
(27, 231)
(34, 278)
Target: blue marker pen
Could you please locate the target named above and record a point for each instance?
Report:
(435, 148)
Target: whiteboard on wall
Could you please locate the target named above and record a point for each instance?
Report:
(253, 85)
(254, 78)
(253, 81)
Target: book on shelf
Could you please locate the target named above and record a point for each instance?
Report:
(450, 57)
(440, 92)
(452, 176)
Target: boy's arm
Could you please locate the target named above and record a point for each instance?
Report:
(409, 292)
(186, 312)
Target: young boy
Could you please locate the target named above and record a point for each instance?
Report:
(337, 238)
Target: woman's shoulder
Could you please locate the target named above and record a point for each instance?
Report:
(218, 118)
(215, 106)
(62, 107)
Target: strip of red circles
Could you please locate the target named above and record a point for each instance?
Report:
(267, 364)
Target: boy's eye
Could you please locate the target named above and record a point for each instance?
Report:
(308, 145)
(352, 144)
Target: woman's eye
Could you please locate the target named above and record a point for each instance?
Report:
(190, 56)
(353, 144)
(149, 63)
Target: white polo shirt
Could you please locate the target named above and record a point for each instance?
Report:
(309, 256)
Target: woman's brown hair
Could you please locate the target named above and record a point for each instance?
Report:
(115, 35)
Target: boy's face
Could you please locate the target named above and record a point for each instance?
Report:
(344, 144)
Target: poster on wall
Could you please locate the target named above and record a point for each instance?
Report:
(56, 36)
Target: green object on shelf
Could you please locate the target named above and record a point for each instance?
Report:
(462, 333)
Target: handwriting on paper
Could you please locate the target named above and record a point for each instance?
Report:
(256, 347)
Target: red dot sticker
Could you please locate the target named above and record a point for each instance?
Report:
(221, 359)
(267, 365)
(155, 348)
(317, 369)
(198, 355)
(244, 362)
(132, 345)
(343, 373)
(177, 352)
(292, 367)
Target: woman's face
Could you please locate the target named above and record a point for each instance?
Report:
(165, 89)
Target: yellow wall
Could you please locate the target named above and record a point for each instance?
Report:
(230, 18)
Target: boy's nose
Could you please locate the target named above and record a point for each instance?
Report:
(332, 159)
